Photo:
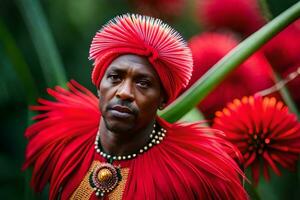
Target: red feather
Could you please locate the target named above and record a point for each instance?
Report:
(190, 163)
(60, 143)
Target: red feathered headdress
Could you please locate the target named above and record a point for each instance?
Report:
(145, 36)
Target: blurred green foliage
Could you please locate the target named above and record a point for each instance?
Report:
(59, 34)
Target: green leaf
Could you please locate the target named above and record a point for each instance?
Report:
(18, 62)
(43, 41)
(228, 63)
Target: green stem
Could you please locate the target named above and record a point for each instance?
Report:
(43, 41)
(193, 115)
(228, 63)
(287, 97)
(265, 9)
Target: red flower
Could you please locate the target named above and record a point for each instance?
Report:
(283, 50)
(242, 16)
(264, 131)
(163, 9)
(252, 76)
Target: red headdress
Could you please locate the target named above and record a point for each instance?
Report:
(144, 36)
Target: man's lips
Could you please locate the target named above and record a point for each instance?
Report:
(122, 109)
(121, 112)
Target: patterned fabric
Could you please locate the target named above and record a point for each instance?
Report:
(85, 191)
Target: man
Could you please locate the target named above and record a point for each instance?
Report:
(126, 151)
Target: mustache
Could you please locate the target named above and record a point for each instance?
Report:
(119, 102)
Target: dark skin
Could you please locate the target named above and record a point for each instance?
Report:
(130, 93)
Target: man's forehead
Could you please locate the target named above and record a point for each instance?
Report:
(133, 59)
(138, 64)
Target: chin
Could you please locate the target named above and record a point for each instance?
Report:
(119, 127)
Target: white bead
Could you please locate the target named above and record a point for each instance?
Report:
(156, 137)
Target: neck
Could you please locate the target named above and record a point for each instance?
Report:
(120, 144)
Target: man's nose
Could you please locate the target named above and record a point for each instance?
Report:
(125, 91)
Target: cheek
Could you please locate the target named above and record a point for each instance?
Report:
(101, 103)
(104, 97)
(149, 104)
(105, 90)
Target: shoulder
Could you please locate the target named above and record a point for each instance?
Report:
(202, 161)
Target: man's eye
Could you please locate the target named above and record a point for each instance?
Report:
(144, 84)
(114, 77)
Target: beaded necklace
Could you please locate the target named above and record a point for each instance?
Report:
(106, 176)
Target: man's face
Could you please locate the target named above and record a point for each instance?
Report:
(130, 94)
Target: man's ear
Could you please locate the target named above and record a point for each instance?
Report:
(163, 103)
(163, 100)
(161, 106)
